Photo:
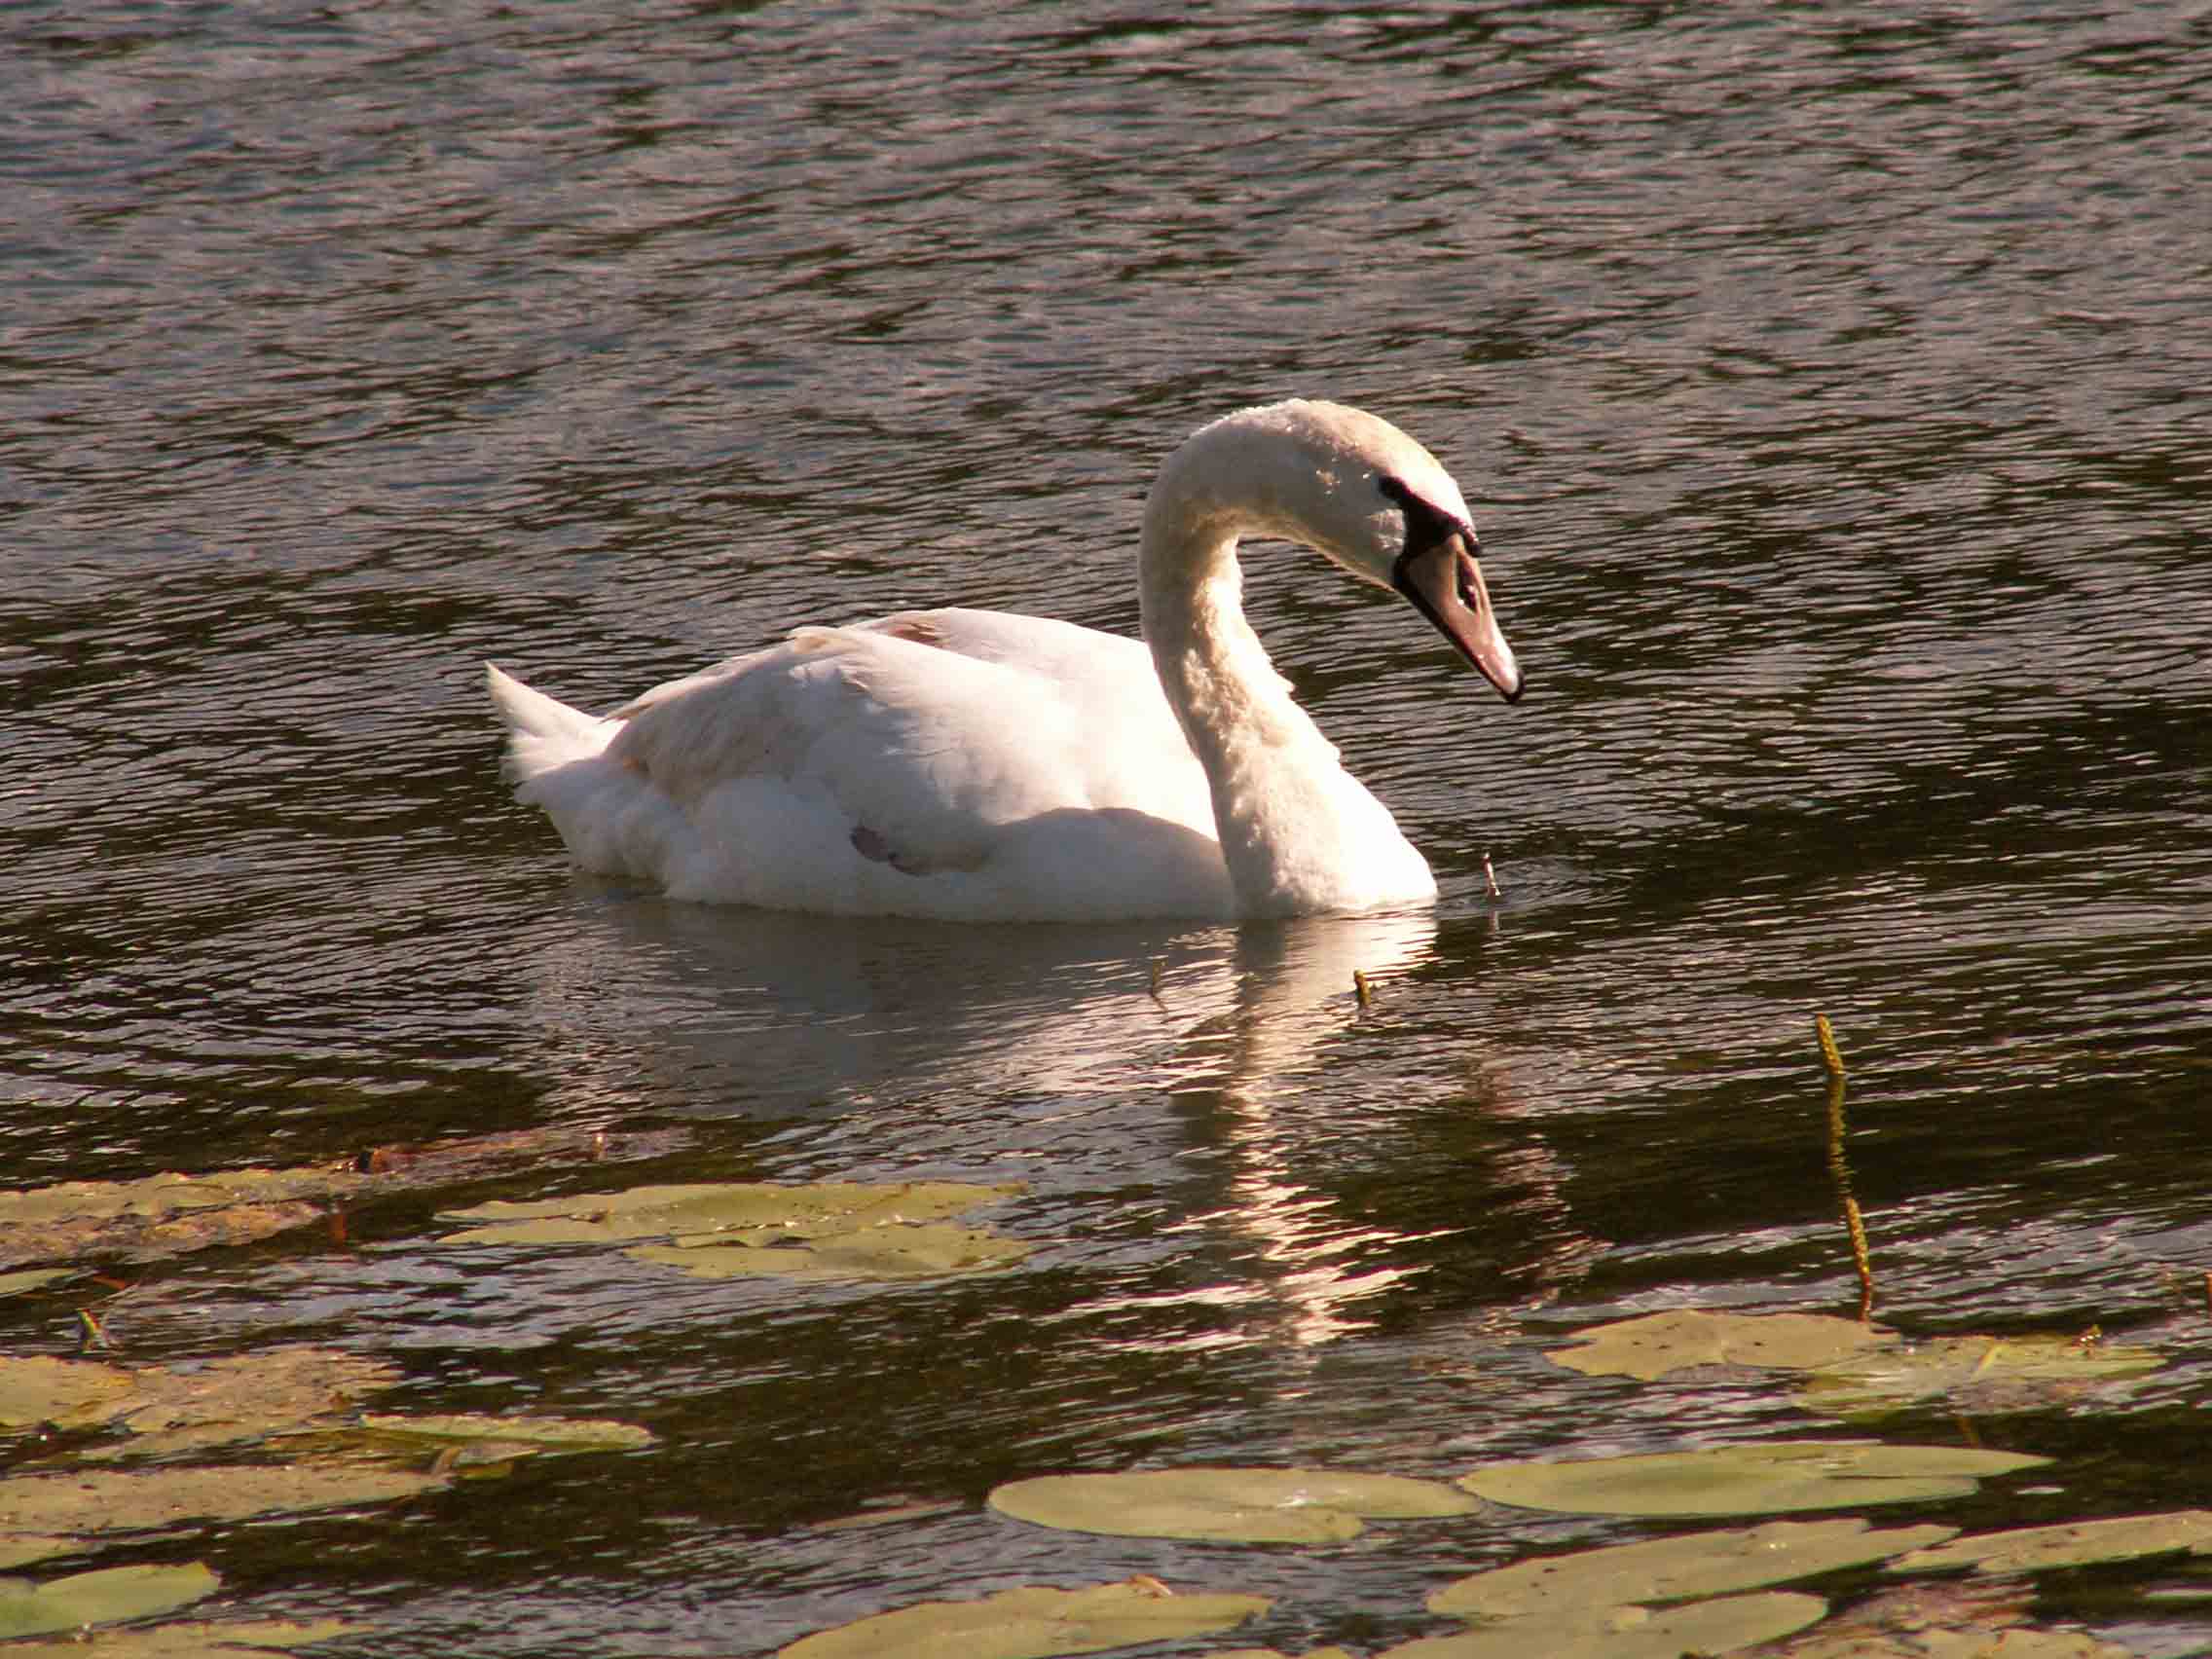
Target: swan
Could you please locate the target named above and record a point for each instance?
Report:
(984, 766)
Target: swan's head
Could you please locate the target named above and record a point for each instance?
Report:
(1358, 489)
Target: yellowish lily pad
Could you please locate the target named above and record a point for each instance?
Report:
(1980, 1374)
(1779, 1477)
(1033, 1623)
(246, 1638)
(18, 1549)
(30, 1278)
(244, 1397)
(65, 1392)
(1973, 1618)
(99, 1598)
(1653, 1345)
(930, 1250)
(707, 1210)
(2079, 1543)
(1674, 1569)
(527, 1433)
(839, 1230)
(170, 1214)
(1632, 1633)
(1257, 1506)
(116, 1500)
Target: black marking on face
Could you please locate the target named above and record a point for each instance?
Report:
(1427, 524)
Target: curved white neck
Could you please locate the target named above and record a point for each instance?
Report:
(1296, 832)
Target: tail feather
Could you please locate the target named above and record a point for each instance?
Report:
(543, 734)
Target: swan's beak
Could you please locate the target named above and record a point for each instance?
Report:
(1446, 585)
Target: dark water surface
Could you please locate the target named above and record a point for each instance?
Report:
(1833, 391)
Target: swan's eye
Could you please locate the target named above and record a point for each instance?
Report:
(1425, 524)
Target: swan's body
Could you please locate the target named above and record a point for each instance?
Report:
(980, 765)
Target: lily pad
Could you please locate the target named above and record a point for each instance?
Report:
(18, 1549)
(170, 1214)
(1981, 1374)
(832, 1229)
(1256, 1506)
(30, 1278)
(1676, 1568)
(250, 1638)
(1033, 1623)
(1632, 1633)
(65, 1392)
(930, 1250)
(1976, 1618)
(528, 1434)
(2079, 1543)
(1778, 1477)
(221, 1402)
(705, 1211)
(99, 1598)
(1653, 1345)
(116, 1500)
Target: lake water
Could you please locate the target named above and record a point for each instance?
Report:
(1831, 389)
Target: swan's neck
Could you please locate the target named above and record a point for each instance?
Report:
(1296, 832)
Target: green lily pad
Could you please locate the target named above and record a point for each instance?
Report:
(1778, 1477)
(1650, 1347)
(1632, 1633)
(65, 1392)
(99, 1598)
(528, 1434)
(2079, 1543)
(1981, 1374)
(1255, 1506)
(1033, 1623)
(246, 1638)
(116, 1500)
(1676, 1568)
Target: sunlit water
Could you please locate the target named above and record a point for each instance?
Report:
(1833, 394)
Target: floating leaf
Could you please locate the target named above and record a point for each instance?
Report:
(1271, 1506)
(1774, 1477)
(885, 1252)
(1945, 1619)
(254, 1638)
(255, 1396)
(704, 1212)
(529, 1433)
(170, 1214)
(99, 1598)
(1033, 1623)
(15, 1284)
(1676, 1568)
(1652, 1346)
(1980, 1373)
(840, 1229)
(17, 1549)
(2079, 1543)
(65, 1392)
(1632, 1633)
(115, 1500)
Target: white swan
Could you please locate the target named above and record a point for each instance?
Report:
(980, 765)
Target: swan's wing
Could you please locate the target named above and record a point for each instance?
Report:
(927, 735)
